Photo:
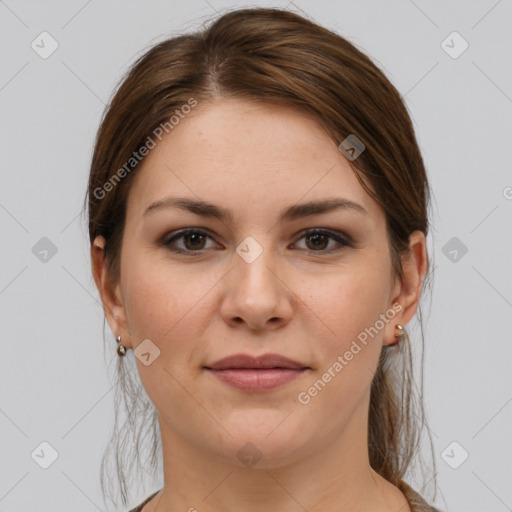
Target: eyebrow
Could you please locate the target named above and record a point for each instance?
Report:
(290, 213)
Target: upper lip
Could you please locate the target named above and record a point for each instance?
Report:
(247, 361)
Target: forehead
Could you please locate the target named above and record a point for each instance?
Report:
(249, 155)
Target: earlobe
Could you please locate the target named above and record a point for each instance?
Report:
(407, 292)
(109, 293)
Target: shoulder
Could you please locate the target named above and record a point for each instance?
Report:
(139, 507)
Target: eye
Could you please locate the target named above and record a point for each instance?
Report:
(194, 241)
(317, 240)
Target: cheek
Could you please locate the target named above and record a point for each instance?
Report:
(347, 309)
(152, 305)
(348, 303)
(150, 295)
(163, 304)
(347, 357)
(166, 303)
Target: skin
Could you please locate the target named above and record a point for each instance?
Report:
(297, 299)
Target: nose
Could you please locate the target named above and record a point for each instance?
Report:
(257, 294)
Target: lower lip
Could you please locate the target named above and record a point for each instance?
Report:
(257, 380)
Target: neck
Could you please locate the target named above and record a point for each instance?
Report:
(333, 476)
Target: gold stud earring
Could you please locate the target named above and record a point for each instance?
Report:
(399, 335)
(121, 349)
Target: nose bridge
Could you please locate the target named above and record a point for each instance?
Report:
(256, 258)
(255, 292)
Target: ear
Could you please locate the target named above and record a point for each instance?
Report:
(110, 294)
(407, 291)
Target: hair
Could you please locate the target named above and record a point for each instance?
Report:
(271, 56)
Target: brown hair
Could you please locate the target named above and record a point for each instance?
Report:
(273, 55)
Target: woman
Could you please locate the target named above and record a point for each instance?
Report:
(258, 219)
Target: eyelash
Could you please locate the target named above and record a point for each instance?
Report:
(343, 241)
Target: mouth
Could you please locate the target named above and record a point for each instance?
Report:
(255, 374)
(248, 362)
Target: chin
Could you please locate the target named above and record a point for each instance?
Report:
(262, 444)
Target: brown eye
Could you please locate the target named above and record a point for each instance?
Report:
(187, 241)
(196, 241)
(317, 240)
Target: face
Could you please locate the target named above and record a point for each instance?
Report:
(255, 282)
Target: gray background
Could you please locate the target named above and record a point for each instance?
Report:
(54, 381)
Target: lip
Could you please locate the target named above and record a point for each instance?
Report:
(246, 361)
(257, 380)
(262, 373)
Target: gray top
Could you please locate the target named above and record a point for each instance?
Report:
(416, 502)
(139, 508)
